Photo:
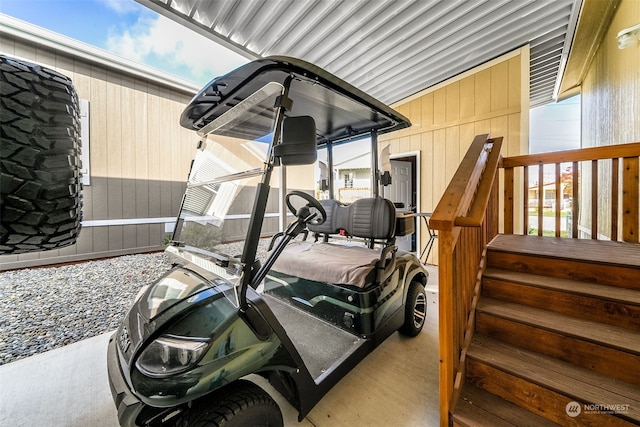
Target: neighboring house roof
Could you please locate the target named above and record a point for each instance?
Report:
(361, 161)
(391, 49)
(547, 186)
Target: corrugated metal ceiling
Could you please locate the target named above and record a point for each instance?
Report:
(390, 49)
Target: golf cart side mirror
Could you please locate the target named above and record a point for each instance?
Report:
(298, 146)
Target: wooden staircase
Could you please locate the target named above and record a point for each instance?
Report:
(557, 335)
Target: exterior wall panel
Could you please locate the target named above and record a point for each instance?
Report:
(491, 99)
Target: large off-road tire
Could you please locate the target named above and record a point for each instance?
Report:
(239, 404)
(415, 310)
(40, 186)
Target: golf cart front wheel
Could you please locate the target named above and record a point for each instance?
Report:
(239, 404)
(415, 310)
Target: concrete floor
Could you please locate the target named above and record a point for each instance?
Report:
(396, 385)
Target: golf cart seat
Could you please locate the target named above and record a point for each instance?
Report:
(346, 262)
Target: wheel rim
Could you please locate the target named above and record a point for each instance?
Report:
(419, 310)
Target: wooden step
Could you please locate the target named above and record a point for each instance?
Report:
(605, 349)
(547, 387)
(607, 304)
(479, 408)
(591, 261)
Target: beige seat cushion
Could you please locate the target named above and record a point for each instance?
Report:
(328, 262)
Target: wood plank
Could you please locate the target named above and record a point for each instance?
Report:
(525, 198)
(539, 399)
(618, 254)
(574, 201)
(595, 332)
(478, 208)
(558, 206)
(609, 293)
(579, 155)
(615, 172)
(552, 373)
(619, 313)
(594, 199)
(479, 408)
(598, 358)
(446, 329)
(607, 304)
(508, 201)
(541, 197)
(612, 274)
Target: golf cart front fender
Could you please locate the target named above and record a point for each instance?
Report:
(233, 353)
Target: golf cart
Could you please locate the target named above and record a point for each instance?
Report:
(300, 304)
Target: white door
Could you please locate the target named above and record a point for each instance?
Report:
(401, 191)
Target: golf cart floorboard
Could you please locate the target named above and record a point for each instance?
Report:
(320, 344)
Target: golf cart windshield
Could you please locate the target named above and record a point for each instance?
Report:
(216, 209)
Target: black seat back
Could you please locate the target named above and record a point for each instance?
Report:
(370, 218)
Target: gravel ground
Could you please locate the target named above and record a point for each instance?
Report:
(46, 308)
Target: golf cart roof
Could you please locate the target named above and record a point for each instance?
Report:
(340, 110)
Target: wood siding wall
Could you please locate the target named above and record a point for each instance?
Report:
(139, 156)
(492, 98)
(610, 106)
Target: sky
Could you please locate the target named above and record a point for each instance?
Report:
(133, 31)
(555, 126)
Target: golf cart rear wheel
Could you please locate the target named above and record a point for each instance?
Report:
(415, 310)
(41, 194)
(239, 404)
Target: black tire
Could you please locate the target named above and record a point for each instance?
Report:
(239, 404)
(41, 205)
(415, 312)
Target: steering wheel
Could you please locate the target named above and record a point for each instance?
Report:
(303, 213)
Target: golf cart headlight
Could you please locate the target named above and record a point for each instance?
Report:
(170, 354)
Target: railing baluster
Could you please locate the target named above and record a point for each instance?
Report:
(615, 173)
(594, 199)
(558, 200)
(525, 211)
(541, 197)
(508, 200)
(575, 200)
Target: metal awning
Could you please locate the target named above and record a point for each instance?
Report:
(390, 49)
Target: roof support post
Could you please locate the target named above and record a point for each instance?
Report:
(374, 164)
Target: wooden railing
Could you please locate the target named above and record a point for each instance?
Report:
(467, 218)
(606, 217)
